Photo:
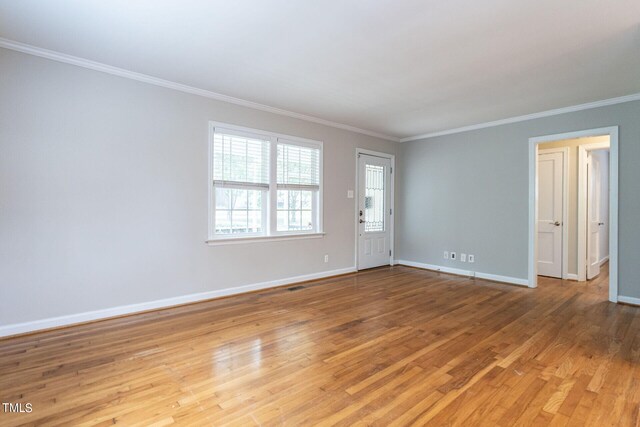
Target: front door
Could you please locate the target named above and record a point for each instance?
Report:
(550, 199)
(374, 211)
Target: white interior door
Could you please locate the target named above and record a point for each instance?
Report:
(550, 197)
(594, 223)
(374, 214)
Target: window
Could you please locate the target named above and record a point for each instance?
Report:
(298, 178)
(263, 184)
(374, 199)
(240, 182)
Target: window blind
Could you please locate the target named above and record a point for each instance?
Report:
(240, 160)
(298, 166)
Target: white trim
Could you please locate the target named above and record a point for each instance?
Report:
(55, 322)
(548, 113)
(433, 267)
(565, 216)
(391, 157)
(582, 205)
(503, 279)
(256, 239)
(574, 134)
(604, 259)
(582, 211)
(629, 300)
(612, 131)
(613, 213)
(572, 276)
(565, 205)
(120, 72)
(467, 273)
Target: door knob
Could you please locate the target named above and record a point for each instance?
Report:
(601, 223)
(361, 221)
(557, 223)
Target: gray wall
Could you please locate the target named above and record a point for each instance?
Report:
(468, 192)
(103, 193)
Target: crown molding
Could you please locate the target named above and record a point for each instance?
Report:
(121, 72)
(548, 113)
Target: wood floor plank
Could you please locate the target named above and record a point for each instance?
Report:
(389, 346)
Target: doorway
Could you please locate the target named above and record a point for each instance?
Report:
(374, 209)
(573, 207)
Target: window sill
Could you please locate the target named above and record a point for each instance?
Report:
(256, 239)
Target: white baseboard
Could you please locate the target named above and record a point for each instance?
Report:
(54, 322)
(629, 300)
(442, 269)
(503, 279)
(572, 276)
(605, 259)
(468, 273)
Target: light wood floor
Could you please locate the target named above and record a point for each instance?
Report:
(392, 346)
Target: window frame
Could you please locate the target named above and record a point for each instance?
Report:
(270, 232)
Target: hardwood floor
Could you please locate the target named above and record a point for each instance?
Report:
(391, 346)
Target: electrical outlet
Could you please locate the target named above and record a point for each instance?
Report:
(326, 258)
(452, 255)
(446, 255)
(463, 257)
(471, 258)
(349, 194)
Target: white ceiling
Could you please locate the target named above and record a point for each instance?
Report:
(401, 68)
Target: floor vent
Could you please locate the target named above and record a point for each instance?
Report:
(295, 288)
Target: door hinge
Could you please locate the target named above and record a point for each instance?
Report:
(390, 170)
(390, 211)
(389, 252)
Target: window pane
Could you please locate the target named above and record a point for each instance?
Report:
(282, 199)
(223, 198)
(294, 199)
(255, 161)
(223, 222)
(255, 199)
(238, 160)
(239, 222)
(255, 221)
(294, 220)
(241, 159)
(298, 164)
(238, 199)
(374, 199)
(282, 221)
(293, 171)
(306, 222)
(306, 199)
(295, 210)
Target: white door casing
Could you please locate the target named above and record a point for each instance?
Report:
(613, 145)
(374, 211)
(594, 223)
(550, 214)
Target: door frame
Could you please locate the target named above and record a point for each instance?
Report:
(392, 176)
(565, 205)
(582, 204)
(612, 132)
